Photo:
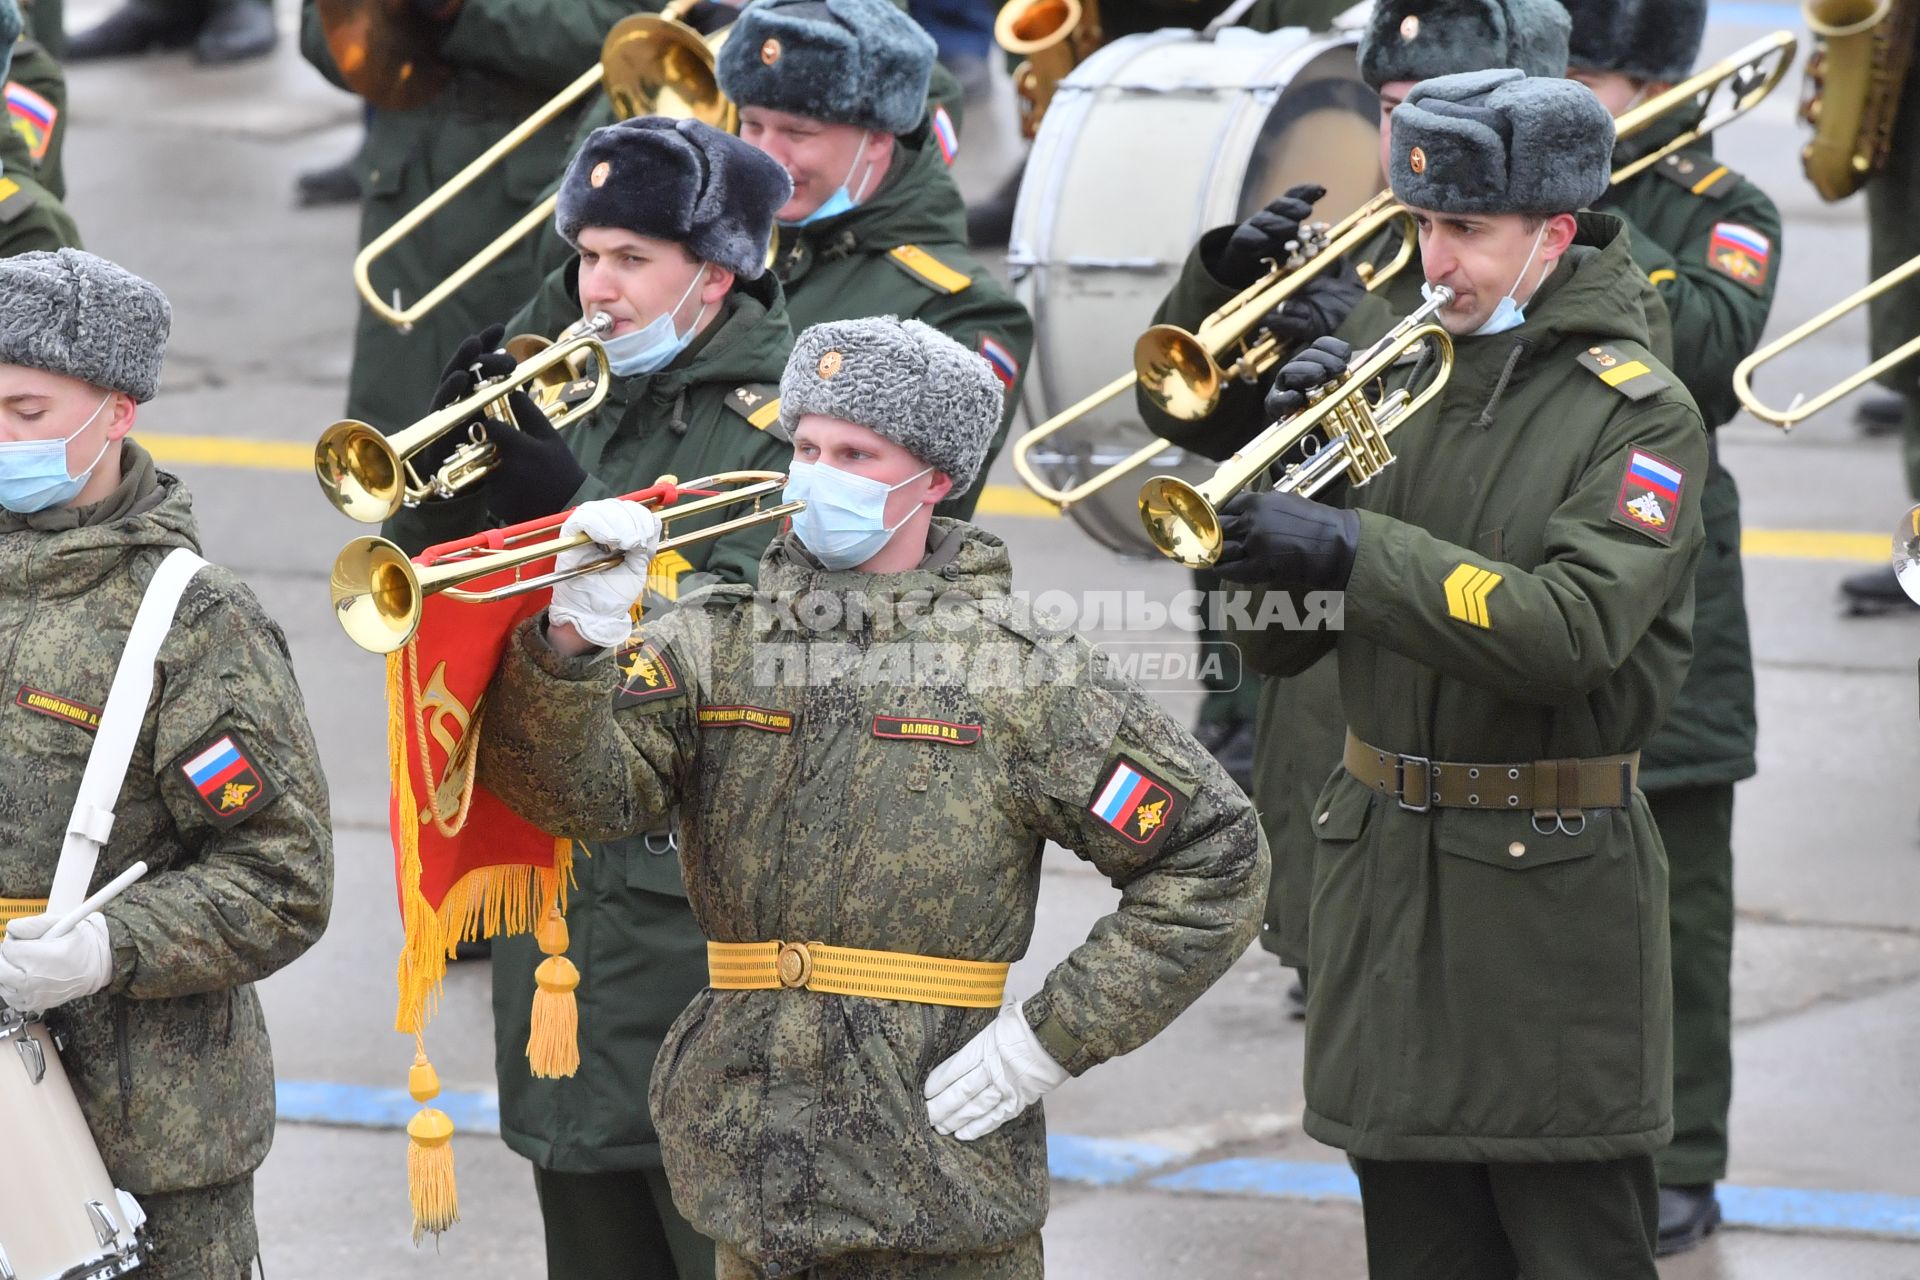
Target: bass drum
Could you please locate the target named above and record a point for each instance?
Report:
(1152, 141)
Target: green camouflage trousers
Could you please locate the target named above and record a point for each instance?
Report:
(1017, 1261)
(206, 1234)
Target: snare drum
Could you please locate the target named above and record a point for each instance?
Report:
(1152, 141)
(61, 1217)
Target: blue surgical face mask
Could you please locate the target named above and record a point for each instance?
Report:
(654, 344)
(845, 522)
(842, 199)
(1507, 314)
(33, 473)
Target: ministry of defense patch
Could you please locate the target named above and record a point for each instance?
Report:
(1740, 252)
(52, 704)
(32, 117)
(1649, 498)
(1135, 803)
(914, 729)
(645, 674)
(222, 773)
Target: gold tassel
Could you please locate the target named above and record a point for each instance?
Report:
(436, 1204)
(553, 1048)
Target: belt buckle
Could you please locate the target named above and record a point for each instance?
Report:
(794, 967)
(1426, 782)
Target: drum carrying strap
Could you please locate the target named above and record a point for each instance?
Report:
(92, 820)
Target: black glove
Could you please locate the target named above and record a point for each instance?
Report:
(709, 16)
(1265, 235)
(1310, 367)
(458, 381)
(537, 475)
(1321, 306)
(1285, 540)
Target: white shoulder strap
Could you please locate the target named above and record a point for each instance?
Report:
(120, 719)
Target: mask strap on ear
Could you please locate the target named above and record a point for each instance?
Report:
(1527, 266)
(866, 136)
(894, 528)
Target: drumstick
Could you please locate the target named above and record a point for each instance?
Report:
(107, 893)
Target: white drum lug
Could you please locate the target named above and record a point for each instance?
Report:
(34, 1058)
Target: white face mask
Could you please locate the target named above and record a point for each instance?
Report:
(1507, 314)
(845, 523)
(654, 344)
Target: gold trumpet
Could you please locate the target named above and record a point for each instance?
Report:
(1803, 407)
(368, 475)
(1339, 433)
(1054, 36)
(651, 64)
(379, 593)
(1752, 73)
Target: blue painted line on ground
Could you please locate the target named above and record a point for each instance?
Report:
(1104, 1162)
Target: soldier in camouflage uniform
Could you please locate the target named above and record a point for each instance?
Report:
(31, 216)
(166, 1045)
(1489, 1024)
(671, 221)
(36, 91)
(869, 752)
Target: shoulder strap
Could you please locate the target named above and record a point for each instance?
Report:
(92, 820)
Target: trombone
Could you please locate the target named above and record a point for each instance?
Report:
(368, 475)
(379, 594)
(1181, 370)
(1183, 520)
(1752, 73)
(1801, 406)
(650, 64)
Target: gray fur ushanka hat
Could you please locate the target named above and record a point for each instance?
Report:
(1644, 39)
(676, 180)
(71, 313)
(857, 62)
(1422, 39)
(903, 379)
(1501, 142)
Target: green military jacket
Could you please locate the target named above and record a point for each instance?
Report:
(1483, 991)
(44, 84)
(508, 57)
(31, 217)
(846, 775)
(1710, 242)
(902, 253)
(640, 955)
(171, 1062)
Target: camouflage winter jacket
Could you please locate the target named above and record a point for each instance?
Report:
(876, 761)
(170, 1062)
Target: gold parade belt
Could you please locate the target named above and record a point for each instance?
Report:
(20, 909)
(849, 971)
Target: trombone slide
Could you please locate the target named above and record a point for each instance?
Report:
(1803, 407)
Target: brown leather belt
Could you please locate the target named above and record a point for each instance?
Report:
(1547, 787)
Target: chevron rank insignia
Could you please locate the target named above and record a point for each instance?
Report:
(1467, 588)
(1701, 175)
(1649, 498)
(1135, 803)
(223, 774)
(1629, 375)
(646, 675)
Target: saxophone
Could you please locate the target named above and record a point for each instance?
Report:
(1053, 37)
(1862, 52)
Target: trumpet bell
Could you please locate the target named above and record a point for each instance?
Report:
(359, 471)
(1178, 372)
(654, 65)
(1181, 521)
(376, 594)
(1906, 554)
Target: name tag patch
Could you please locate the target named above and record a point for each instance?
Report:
(762, 718)
(645, 674)
(1134, 802)
(914, 730)
(222, 773)
(1649, 498)
(52, 704)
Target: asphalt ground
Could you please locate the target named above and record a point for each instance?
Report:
(1185, 1158)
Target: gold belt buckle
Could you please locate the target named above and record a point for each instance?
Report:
(795, 965)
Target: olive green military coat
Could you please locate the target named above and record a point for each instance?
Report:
(640, 955)
(1696, 229)
(1482, 991)
(793, 1122)
(31, 216)
(35, 69)
(171, 1062)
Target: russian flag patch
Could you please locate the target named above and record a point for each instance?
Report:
(1649, 498)
(1001, 361)
(945, 134)
(32, 117)
(1741, 252)
(224, 776)
(1134, 803)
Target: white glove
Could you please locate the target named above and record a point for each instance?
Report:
(599, 604)
(995, 1076)
(38, 974)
